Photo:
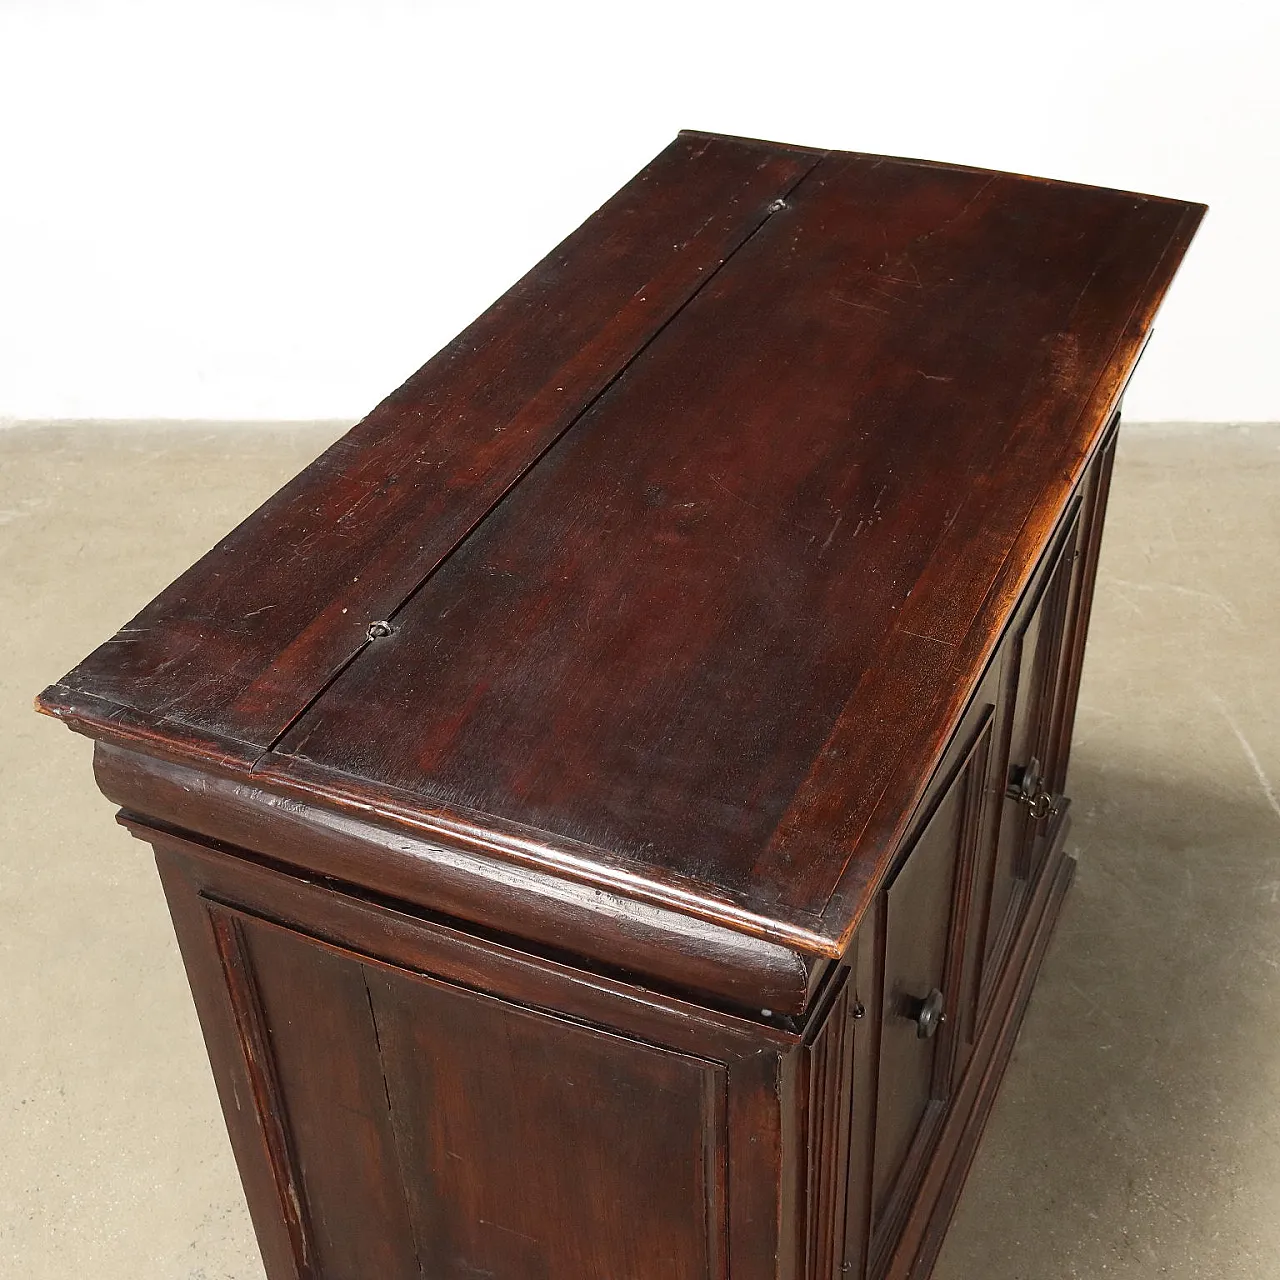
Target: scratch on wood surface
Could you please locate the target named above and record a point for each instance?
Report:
(511, 1231)
(832, 534)
(736, 496)
(914, 283)
(964, 208)
(934, 639)
(862, 306)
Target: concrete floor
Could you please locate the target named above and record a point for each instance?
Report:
(1138, 1133)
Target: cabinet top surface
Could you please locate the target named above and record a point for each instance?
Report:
(692, 547)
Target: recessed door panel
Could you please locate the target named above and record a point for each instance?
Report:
(314, 1051)
(545, 1150)
(924, 916)
(424, 1130)
(917, 928)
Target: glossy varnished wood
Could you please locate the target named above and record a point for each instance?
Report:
(650, 646)
(773, 519)
(731, 576)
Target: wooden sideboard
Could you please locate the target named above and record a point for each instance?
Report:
(612, 803)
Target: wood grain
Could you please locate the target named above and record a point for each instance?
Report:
(227, 656)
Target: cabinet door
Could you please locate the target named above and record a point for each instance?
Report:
(1031, 676)
(922, 926)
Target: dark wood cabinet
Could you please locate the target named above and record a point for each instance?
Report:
(612, 804)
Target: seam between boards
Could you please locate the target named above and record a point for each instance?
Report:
(784, 194)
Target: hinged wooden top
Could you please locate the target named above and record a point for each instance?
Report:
(691, 549)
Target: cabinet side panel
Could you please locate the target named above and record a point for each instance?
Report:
(263, 1180)
(318, 1032)
(469, 1110)
(543, 1149)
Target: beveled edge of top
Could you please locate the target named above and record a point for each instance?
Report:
(455, 881)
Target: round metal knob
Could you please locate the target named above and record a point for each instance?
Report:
(929, 1014)
(1024, 781)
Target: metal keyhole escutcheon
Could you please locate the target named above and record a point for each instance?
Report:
(1028, 789)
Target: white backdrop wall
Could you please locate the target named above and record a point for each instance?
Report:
(279, 209)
